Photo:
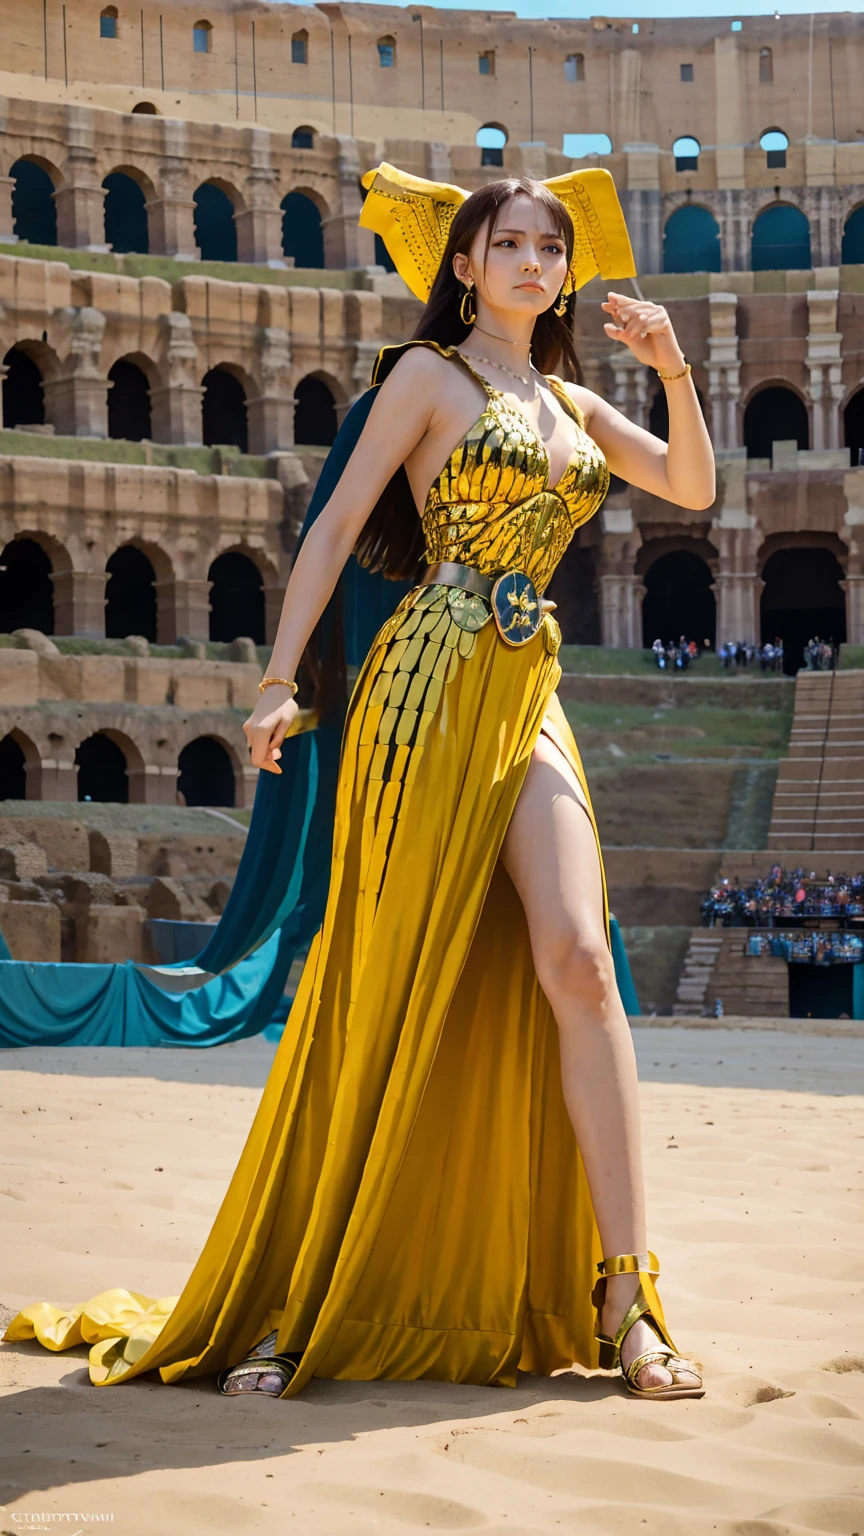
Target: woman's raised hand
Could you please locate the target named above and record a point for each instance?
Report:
(646, 329)
(268, 725)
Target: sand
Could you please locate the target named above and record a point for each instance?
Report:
(113, 1164)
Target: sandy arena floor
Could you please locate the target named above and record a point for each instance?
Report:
(113, 1163)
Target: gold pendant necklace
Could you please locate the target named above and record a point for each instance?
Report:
(501, 369)
(496, 337)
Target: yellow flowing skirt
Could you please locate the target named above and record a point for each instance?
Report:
(410, 1201)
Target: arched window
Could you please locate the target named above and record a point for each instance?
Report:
(303, 138)
(108, 22)
(130, 595)
(206, 773)
(23, 395)
(145, 109)
(223, 411)
(780, 240)
(314, 413)
(302, 233)
(129, 406)
(691, 241)
(215, 230)
(125, 215)
(578, 145)
(774, 415)
(853, 422)
(775, 144)
(34, 212)
(678, 599)
(574, 67)
(491, 139)
(103, 772)
(686, 152)
(387, 52)
(236, 598)
(300, 47)
(852, 250)
(766, 66)
(802, 598)
(13, 770)
(202, 37)
(26, 588)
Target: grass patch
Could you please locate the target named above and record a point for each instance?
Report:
(851, 658)
(164, 820)
(113, 450)
(612, 733)
(171, 270)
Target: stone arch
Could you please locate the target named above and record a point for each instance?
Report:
(110, 768)
(145, 109)
(20, 767)
(803, 595)
(315, 410)
(774, 412)
(678, 573)
(237, 596)
(127, 193)
(129, 413)
(303, 137)
(853, 423)
(34, 211)
(852, 249)
(691, 240)
(224, 415)
(130, 594)
(209, 772)
(26, 586)
(303, 214)
(780, 239)
(216, 204)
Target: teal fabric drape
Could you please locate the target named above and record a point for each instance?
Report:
(235, 987)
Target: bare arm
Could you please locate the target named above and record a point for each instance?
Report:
(399, 418)
(681, 471)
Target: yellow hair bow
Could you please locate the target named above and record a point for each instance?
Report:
(413, 218)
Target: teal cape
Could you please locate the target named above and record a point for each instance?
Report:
(236, 986)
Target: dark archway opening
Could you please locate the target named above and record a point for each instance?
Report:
(125, 214)
(34, 211)
(852, 249)
(678, 599)
(206, 774)
(314, 413)
(802, 598)
(853, 423)
(574, 589)
(691, 241)
(26, 588)
(13, 770)
(224, 418)
(774, 415)
(102, 770)
(821, 991)
(23, 395)
(215, 230)
(129, 402)
(236, 598)
(130, 595)
(302, 231)
(781, 241)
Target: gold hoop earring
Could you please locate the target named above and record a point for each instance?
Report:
(468, 296)
(561, 306)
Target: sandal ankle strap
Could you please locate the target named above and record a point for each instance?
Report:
(630, 1264)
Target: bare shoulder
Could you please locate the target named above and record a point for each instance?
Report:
(421, 368)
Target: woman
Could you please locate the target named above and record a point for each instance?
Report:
(410, 1201)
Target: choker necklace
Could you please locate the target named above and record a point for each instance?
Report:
(501, 369)
(496, 337)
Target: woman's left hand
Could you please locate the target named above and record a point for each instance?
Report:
(646, 329)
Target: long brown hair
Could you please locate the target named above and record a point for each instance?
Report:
(391, 540)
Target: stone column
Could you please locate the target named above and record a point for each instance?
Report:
(182, 609)
(642, 205)
(152, 785)
(345, 244)
(59, 778)
(621, 611)
(824, 364)
(733, 212)
(171, 228)
(81, 216)
(176, 405)
(259, 225)
(7, 185)
(76, 401)
(630, 392)
(271, 415)
(737, 537)
(724, 370)
(853, 586)
(737, 595)
(79, 603)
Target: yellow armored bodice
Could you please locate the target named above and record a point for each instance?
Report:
(491, 506)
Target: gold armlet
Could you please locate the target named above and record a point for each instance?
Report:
(282, 682)
(669, 378)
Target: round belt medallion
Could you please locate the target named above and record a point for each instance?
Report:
(516, 607)
(469, 610)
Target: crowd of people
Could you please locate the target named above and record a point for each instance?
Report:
(740, 653)
(677, 654)
(809, 948)
(785, 897)
(820, 655)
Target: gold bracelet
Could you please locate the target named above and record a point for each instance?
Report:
(669, 378)
(283, 682)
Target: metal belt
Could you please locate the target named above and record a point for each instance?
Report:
(513, 600)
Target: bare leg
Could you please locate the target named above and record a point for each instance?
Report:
(550, 854)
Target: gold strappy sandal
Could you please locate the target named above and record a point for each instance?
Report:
(259, 1360)
(646, 1304)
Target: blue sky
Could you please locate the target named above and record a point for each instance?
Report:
(647, 8)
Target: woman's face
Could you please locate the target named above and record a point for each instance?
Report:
(526, 266)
